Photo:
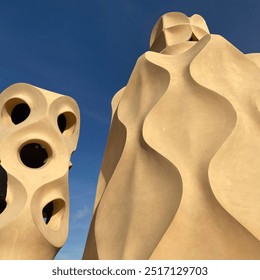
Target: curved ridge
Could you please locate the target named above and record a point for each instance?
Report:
(132, 207)
(195, 133)
(113, 152)
(231, 192)
(159, 107)
(178, 181)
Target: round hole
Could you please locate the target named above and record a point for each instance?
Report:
(20, 113)
(66, 122)
(33, 155)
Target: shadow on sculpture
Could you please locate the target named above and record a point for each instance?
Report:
(180, 174)
(39, 132)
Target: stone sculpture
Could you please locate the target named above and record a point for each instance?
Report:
(181, 170)
(39, 131)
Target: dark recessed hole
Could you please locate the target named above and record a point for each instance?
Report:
(3, 183)
(62, 123)
(53, 212)
(20, 113)
(66, 122)
(193, 38)
(33, 155)
(2, 206)
(47, 212)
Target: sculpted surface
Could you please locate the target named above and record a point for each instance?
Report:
(39, 131)
(180, 173)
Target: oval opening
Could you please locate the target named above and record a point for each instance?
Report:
(62, 123)
(16, 111)
(20, 113)
(66, 122)
(53, 212)
(34, 155)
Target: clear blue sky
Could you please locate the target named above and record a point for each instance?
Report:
(87, 50)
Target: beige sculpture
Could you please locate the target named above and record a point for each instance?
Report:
(181, 170)
(39, 131)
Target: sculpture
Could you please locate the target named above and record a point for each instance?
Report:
(180, 174)
(39, 131)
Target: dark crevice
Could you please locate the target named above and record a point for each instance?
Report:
(2, 206)
(62, 122)
(47, 212)
(193, 38)
(3, 183)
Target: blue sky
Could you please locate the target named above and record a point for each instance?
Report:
(87, 49)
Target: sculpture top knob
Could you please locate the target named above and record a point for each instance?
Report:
(176, 28)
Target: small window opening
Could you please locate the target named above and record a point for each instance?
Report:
(33, 155)
(66, 123)
(62, 123)
(47, 212)
(52, 213)
(20, 113)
